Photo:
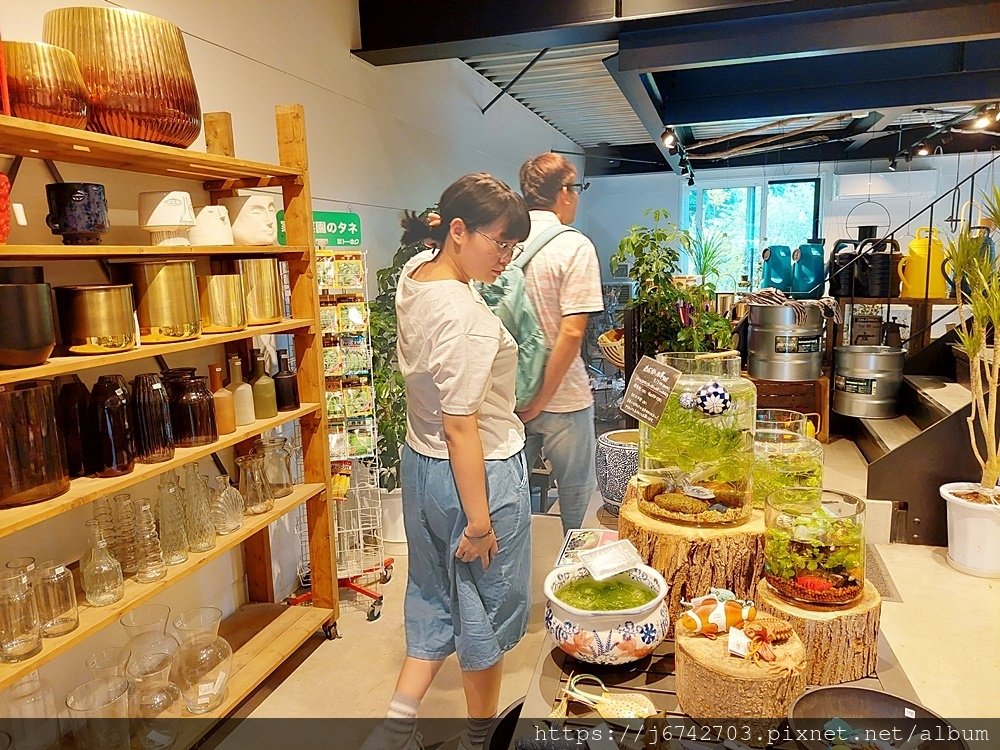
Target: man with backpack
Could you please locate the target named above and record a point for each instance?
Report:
(563, 282)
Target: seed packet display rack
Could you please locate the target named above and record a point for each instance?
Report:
(262, 632)
(350, 409)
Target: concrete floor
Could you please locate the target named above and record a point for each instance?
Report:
(355, 675)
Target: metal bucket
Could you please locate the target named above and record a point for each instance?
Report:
(780, 348)
(866, 381)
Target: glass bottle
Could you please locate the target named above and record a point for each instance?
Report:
(31, 707)
(277, 464)
(225, 405)
(154, 436)
(265, 404)
(256, 490)
(104, 515)
(205, 659)
(170, 509)
(700, 454)
(151, 565)
(102, 575)
(286, 384)
(197, 510)
(192, 413)
(55, 594)
(227, 506)
(20, 626)
(71, 416)
(127, 545)
(108, 413)
(242, 393)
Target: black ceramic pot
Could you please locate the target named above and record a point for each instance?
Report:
(22, 275)
(27, 334)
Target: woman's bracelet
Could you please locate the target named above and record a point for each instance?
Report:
(477, 538)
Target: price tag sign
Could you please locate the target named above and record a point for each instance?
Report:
(648, 390)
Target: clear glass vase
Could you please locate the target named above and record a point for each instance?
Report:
(20, 626)
(197, 510)
(227, 506)
(151, 565)
(31, 708)
(783, 455)
(205, 659)
(277, 464)
(153, 695)
(126, 544)
(170, 509)
(104, 515)
(256, 490)
(98, 711)
(700, 453)
(55, 594)
(103, 583)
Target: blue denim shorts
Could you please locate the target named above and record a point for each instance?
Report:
(452, 606)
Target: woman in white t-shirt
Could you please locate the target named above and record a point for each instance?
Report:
(466, 506)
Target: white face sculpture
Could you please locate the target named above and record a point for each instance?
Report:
(254, 219)
(212, 227)
(160, 211)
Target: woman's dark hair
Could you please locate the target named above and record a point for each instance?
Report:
(543, 177)
(479, 200)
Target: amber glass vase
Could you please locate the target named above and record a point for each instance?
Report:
(45, 84)
(32, 460)
(192, 412)
(154, 437)
(108, 413)
(137, 71)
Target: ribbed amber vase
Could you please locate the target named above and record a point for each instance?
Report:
(136, 70)
(45, 84)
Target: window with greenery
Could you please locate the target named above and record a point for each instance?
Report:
(741, 219)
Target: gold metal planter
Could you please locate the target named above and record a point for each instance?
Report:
(45, 84)
(166, 297)
(96, 318)
(223, 305)
(262, 287)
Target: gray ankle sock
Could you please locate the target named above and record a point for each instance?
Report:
(401, 720)
(475, 733)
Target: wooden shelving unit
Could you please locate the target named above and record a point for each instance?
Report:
(921, 316)
(264, 634)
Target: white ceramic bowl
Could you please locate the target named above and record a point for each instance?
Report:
(613, 637)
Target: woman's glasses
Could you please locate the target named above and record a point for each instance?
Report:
(507, 249)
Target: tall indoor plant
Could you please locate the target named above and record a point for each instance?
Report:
(974, 508)
(673, 318)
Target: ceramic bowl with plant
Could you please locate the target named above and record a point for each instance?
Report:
(616, 621)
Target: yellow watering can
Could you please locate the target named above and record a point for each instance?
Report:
(926, 248)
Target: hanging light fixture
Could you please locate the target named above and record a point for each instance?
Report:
(892, 164)
(983, 119)
(668, 137)
(923, 150)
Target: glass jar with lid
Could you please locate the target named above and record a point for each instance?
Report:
(699, 456)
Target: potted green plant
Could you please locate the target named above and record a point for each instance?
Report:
(973, 507)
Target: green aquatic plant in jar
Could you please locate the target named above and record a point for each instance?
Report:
(814, 545)
(699, 457)
(783, 454)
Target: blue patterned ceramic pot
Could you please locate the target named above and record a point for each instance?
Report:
(78, 211)
(617, 461)
(617, 637)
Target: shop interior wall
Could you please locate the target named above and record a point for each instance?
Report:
(380, 140)
(613, 204)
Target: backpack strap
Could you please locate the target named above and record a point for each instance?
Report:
(531, 250)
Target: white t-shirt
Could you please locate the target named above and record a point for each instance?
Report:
(457, 358)
(564, 278)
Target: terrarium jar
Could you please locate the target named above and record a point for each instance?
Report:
(277, 463)
(205, 659)
(254, 487)
(227, 506)
(197, 510)
(701, 451)
(814, 545)
(783, 454)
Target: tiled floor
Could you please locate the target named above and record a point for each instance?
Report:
(355, 675)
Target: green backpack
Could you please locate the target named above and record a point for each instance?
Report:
(509, 301)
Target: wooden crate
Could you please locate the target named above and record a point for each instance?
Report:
(806, 396)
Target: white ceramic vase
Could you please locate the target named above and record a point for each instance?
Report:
(167, 215)
(211, 227)
(973, 532)
(254, 219)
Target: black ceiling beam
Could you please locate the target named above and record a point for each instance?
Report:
(401, 31)
(646, 103)
(947, 73)
(824, 31)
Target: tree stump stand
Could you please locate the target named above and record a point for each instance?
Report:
(715, 688)
(842, 644)
(694, 559)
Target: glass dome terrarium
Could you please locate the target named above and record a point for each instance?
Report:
(783, 454)
(814, 545)
(701, 451)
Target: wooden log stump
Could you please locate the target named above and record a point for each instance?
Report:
(715, 688)
(842, 644)
(693, 559)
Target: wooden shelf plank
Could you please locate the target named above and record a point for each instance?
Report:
(91, 252)
(20, 137)
(901, 301)
(75, 364)
(93, 619)
(278, 631)
(87, 489)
